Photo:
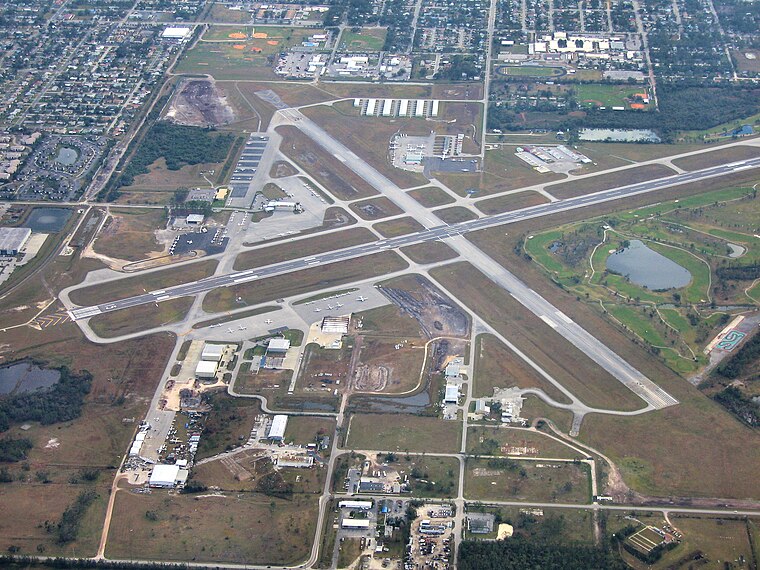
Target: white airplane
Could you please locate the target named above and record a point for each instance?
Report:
(242, 328)
(361, 298)
(269, 321)
(230, 331)
(317, 310)
(330, 307)
(339, 305)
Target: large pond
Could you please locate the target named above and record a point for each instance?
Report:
(66, 156)
(48, 220)
(26, 377)
(647, 268)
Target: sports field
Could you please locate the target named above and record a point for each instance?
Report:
(530, 71)
(602, 95)
(230, 53)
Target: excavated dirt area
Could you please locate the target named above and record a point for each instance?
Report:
(436, 313)
(200, 103)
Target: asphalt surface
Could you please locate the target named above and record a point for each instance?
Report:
(441, 232)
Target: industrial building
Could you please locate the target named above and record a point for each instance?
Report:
(277, 429)
(168, 476)
(13, 240)
(355, 523)
(175, 33)
(212, 352)
(278, 345)
(206, 369)
(358, 505)
(419, 108)
(298, 460)
(194, 219)
(335, 325)
(452, 394)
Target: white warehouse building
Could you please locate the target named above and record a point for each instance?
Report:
(277, 429)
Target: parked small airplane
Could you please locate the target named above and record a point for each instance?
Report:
(339, 305)
(361, 298)
(269, 321)
(330, 307)
(242, 328)
(317, 310)
(230, 331)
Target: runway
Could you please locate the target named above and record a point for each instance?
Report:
(441, 232)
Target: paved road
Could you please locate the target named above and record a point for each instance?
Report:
(440, 232)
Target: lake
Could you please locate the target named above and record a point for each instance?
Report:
(647, 268)
(26, 377)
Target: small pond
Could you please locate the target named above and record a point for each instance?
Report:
(66, 156)
(23, 377)
(48, 220)
(647, 268)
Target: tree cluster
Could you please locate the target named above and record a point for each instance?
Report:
(68, 527)
(738, 404)
(179, 146)
(518, 554)
(737, 364)
(12, 450)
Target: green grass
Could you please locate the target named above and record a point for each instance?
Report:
(366, 39)
(401, 432)
(638, 322)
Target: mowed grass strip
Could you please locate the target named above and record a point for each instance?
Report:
(129, 233)
(717, 157)
(140, 318)
(403, 432)
(511, 202)
(429, 252)
(602, 182)
(249, 528)
(311, 246)
(456, 214)
(431, 196)
(375, 208)
(563, 361)
(398, 227)
(144, 282)
(300, 282)
(496, 366)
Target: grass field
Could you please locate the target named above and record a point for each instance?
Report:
(243, 528)
(228, 424)
(496, 366)
(129, 234)
(140, 318)
(499, 440)
(429, 252)
(716, 157)
(456, 214)
(401, 433)
(315, 245)
(139, 284)
(403, 363)
(539, 481)
(398, 227)
(363, 40)
(303, 430)
(431, 196)
(601, 95)
(429, 477)
(511, 202)
(324, 276)
(576, 371)
(122, 386)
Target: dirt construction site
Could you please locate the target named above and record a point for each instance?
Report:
(434, 311)
(199, 103)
